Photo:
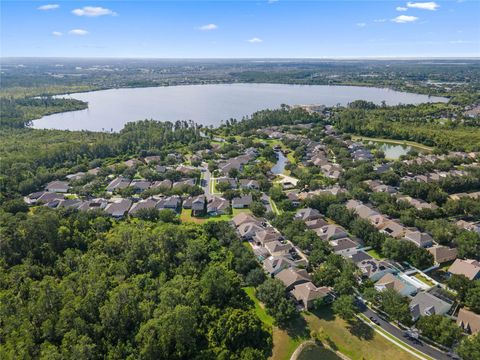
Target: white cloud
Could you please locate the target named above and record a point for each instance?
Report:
(93, 11)
(361, 24)
(403, 19)
(208, 27)
(57, 33)
(255, 40)
(431, 5)
(380, 20)
(80, 32)
(48, 7)
(401, 8)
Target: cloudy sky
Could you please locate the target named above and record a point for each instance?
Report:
(232, 29)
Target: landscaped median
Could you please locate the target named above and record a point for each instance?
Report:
(395, 340)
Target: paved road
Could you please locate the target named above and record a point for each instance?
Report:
(206, 181)
(419, 345)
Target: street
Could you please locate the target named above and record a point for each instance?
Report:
(417, 344)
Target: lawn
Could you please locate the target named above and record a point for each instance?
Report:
(356, 341)
(235, 212)
(186, 216)
(375, 254)
(284, 341)
(424, 279)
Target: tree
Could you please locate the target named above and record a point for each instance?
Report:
(236, 330)
(468, 244)
(440, 329)
(461, 284)
(170, 336)
(255, 277)
(272, 294)
(257, 208)
(469, 348)
(473, 297)
(344, 306)
(149, 214)
(395, 306)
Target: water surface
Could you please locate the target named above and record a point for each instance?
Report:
(209, 104)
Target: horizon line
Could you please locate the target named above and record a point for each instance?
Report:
(254, 58)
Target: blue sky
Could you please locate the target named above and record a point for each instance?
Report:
(246, 29)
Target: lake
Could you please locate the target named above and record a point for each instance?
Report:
(208, 104)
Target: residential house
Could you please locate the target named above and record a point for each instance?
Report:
(161, 168)
(307, 294)
(442, 254)
(242, 202)
(393, 229)
(169, 202)
(152, 159)
(390, 281)
(421, 239)
(468, 321)
(140, 185)
(248, 230)
(69, 203)
(118, 208)
(468, 268)
(274, 264)
(426, 304)
(49, 199)
(167, 184)
(469, 225)
(196, 203)
(184, 182)
(217, 206)
(267, 235)
(294, 199)
(249, 184)
(149, 203)
(132, 163)
(57, 186)
(277, 248)
(94, 204)
(118, 183)
(76, 176)
(292, 277)
(316, 223)
(307, 214)
(344, 246)
(375, 269)
(244, 218)
(331, 232)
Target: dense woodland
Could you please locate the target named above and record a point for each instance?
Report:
(77, 285)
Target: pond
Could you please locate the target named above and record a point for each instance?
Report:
(315, 352)
(279, 166)
(110, 110)
(394, 151)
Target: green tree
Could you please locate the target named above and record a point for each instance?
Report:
(344, 306)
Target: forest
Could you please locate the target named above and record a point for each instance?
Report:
(77, 285)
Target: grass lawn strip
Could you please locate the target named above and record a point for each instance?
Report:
(400, 343)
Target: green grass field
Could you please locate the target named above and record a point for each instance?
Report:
(355, 341)
(375, 254)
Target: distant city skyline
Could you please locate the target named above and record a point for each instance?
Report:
(234, 29)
